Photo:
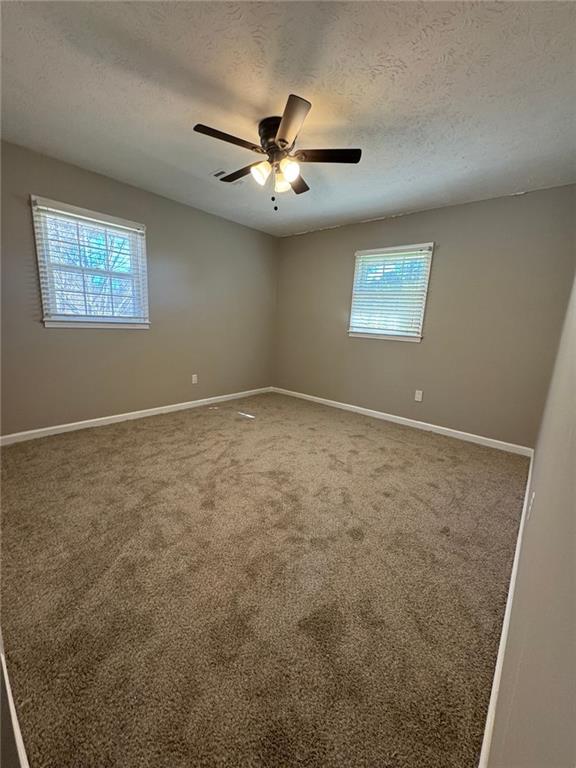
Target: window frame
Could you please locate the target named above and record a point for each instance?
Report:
(39, 204)
(384, 335)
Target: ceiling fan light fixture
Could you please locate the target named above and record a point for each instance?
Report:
(280, 183)
(261, 172)
(290, 168)
(277, 139)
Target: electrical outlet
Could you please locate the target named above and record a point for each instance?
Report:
(418, 395)
(194, 378)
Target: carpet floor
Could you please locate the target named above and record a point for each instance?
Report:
(306, 587)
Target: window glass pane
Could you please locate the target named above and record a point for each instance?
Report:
(61, 229)
(374, 273)
(69, 303)
(96, 283)
(65, 254)
(68, 281)
(124, 307)
(99, 305)
(93, 244)
(62, 242)
(119, 253)
(122, 286)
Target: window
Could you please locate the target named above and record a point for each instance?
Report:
(92, 267)
(389, 292)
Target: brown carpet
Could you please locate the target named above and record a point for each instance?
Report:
(309, 587)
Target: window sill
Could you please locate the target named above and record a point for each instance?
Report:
(385, 336)
(88, 324)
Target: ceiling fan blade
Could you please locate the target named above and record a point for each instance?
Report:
(215, 134)
(299, 185)
(328, 155)
(238, 174)
(294, 115)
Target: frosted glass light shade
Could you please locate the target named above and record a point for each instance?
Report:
(261, 172)
(290, 168)
(280, 183)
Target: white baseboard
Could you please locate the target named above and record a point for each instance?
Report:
(523, 450)
(491, 715)
(32, 434)
(22, 757)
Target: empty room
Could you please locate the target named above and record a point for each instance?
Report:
(288, 384)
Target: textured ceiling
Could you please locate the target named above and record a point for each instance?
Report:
(450, 102)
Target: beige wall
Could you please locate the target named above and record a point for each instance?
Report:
(212, 290)
(499, 285)
(535, 725)
(498, 290)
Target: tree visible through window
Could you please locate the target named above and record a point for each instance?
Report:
(92, 267)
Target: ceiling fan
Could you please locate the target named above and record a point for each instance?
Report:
(277, 138)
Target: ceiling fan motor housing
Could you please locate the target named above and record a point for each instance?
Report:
(267, 130)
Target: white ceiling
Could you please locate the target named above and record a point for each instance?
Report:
(450, 102)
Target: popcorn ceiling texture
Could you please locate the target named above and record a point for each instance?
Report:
(306, 588)
(451, 102)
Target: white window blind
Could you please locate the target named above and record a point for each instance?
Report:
(92, 267)
(389, 292)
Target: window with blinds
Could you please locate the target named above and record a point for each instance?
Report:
(389, 292)
(92, 267)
